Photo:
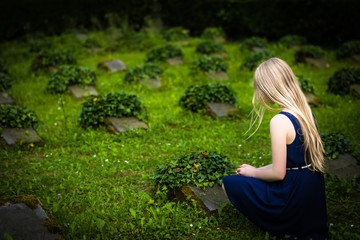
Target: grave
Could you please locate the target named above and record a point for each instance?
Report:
(220, 110)
(5, 99)
(218, 76)
(355, 90)
(112, 66)
(344, 167)
(209, 199)
(175, 61)
(312, 99)
(80, 92)
(27, 220)
(12, 136)
(151, 82)
(117, 125)
(317, 62)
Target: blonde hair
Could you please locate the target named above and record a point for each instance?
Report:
(275, 82)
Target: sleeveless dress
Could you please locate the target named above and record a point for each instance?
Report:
(294, 206)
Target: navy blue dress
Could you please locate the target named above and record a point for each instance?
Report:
(294, 206)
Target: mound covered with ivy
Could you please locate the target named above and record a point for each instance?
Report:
(176, 34)
(348, 49)
(5, 82)
(254, 42)
(12, 116)
(144, 71)
(209, 64)
(209, 47)
(335, 144)
(212, 33)
(256, 58)
(163, 53)
(70, 75)
(96, 108)
(292, 40)
(308, 51)
(54, 58)
(200, 169)
(305, 84)
(195, 97)
(342, 80)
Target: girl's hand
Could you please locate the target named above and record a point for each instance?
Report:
(246, 170)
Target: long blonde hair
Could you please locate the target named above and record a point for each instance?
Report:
(275, 82)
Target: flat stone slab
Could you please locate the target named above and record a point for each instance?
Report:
(81, 36)
(218, 76)
(21, 222)
(5, 99)
(219, 110)
(12, 136)
(151, 82)
(112, 66)
(344, 166)
(116, 125)
(317, 62)
(312, 99)
(355, 90)
(175, 61)
(80, 92)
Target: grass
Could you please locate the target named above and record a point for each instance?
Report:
(98, 185)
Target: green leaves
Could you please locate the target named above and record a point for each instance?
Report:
(341, 81)
(16, 117)
(254, 42)
(348, 49)
(5, 82)
(256, 58)
(209, 64)
(176, 34)
(161, 54)
(292, 40)
(308, 51)
(335, 144)
(53, 58)
(305, 84)
(144, 71)
(209, 47)
(212, 33)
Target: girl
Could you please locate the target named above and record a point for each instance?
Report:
(286, 197)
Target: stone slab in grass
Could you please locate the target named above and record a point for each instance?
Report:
(5, 99)
(175, 61)
(116, 125)
(317, 62)
(12, 136)
(219, 110)
(344, 166)
(218, 76)
(151, 83)
(312, 99)
(355, 90)
(19, 221)
(80, 92)
(112, 66)
(81, 36)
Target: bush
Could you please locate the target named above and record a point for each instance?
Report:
(37, 47)
(5, 82)
(348, 49)
(200, 169)
(2, 67)
(96, 108)
(70, 75)
(341, 81)
(212, 33)
(176, 34)
(46, 59)
(305, 84)
(209, 64)
(195, 97)
(308, 51)
(335, 144)
(144, 71)
(209, 47)
(91, 43)
(256, 58)
(254, 42)
(163, 53)
(292, 40)
(12, 116)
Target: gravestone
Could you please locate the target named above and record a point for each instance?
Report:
(344, 166)
(5, 99)
(312, 99)
(151, 82)
(218, 76)
(112, 66)
(209, 199)
(117, 125)
(219, 110)
(12, 136)
(175, 61)
(317, 62)
(355, 90)
(20, 221)
(80, 92)
(81, 36)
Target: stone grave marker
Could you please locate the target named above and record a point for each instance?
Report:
(5, 99)
(312, 99)
(112, 66)
(116, 125)
(219, 110)
(151, 82)
(80, 92)
(317, 62)
(355, 90)
(175, 61)
(218, 76)
(20, 221)
(12, 136)
(344, 166)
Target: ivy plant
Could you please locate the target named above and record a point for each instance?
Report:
(348, 49)
(292, 40)
(335, 144)
(163, 53)
(308, 51)
(256, 58)
(254, 42)
(342, 80)
(13, 116)
(70, 75)
(209, 47)
(195, 97)
(212, 33)
(202, 169)
(5, 82)
(96, 108)
(144, 71)
(176, 34)
(54, 58)
(209, 64)
(305, 84)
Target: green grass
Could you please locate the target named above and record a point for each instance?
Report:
(98, 185)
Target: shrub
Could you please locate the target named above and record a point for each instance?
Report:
(163, 53)
(53, 58)
(200, 169)
(37, 47)
(341, 81)
(5, 82)
(13, 116)
(91, 43)
(305, 84)
(256, 58)
(348, 49)
(176, 34)
(2, 67)
(292, 40)
(335, 144)
(209, 47)
(209, 64)
(96, 108)
(308, 51)
(144, 71)
(195, 97)
(212, 33)
(70, 75)
(254, 42)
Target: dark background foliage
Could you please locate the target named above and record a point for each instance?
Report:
(321, 22)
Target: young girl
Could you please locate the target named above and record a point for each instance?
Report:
(287, 197)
